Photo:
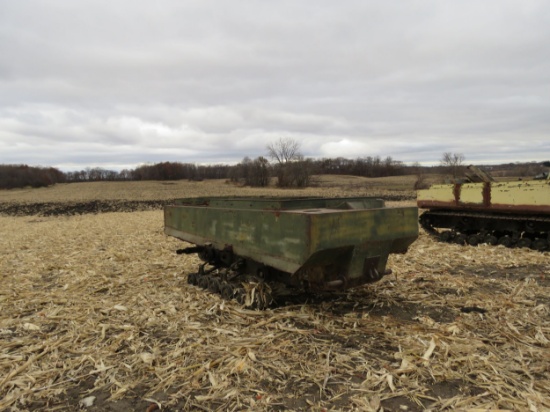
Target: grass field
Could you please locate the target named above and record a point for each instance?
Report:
(96, 314)
(164, 190)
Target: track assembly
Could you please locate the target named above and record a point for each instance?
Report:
(249, 291)
(474, 228)
(259, 250)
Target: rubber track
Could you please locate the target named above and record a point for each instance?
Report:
(260, 299)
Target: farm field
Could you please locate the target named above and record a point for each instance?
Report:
(96, 314)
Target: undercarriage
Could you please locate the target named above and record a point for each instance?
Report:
(473, 228)
(251, 284)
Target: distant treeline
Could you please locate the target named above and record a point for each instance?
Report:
(255, 172)
(252, 172)
(158, 171)
(14, 176)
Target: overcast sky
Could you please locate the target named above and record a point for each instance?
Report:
(119, 83)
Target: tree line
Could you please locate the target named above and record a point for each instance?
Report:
(250, 172)
(287, 168)
(16, 176)
(157, 171)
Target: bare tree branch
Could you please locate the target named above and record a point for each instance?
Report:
(454, 162)
(284, 150)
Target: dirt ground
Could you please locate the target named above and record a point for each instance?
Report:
(96, 314)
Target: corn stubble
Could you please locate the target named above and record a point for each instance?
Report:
(96, 313)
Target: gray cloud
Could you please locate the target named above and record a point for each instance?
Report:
(116, 84)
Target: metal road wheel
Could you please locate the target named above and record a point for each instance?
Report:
(540, 245)
(524, 242)
(506, 241)
(262, 300)
(240, 295)
(226, 257)
(203, 282)
(192, 278)
(226, 290)
(474, 240)
(214, 284)
(491, 240)
(446, 236)
(460, 239)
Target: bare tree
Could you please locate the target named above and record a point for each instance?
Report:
(284, 150)
(453, 161)
(291, 168)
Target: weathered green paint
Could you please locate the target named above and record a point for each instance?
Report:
(301, 235)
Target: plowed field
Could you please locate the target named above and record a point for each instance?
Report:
(96, 314)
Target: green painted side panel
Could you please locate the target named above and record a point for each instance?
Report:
(271, 237)
(335, 229)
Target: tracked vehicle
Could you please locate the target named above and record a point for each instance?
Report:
(513, 214)
(257, 249)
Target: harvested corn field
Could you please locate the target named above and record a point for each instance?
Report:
(96, 314)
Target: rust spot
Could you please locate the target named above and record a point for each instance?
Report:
(456, 192)
(487, 194)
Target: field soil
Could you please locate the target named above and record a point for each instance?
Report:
(96, 314)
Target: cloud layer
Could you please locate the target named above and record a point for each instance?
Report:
(116, 84)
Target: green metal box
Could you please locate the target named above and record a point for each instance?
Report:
(314, 243)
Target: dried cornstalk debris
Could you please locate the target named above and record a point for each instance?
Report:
(96, 314)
